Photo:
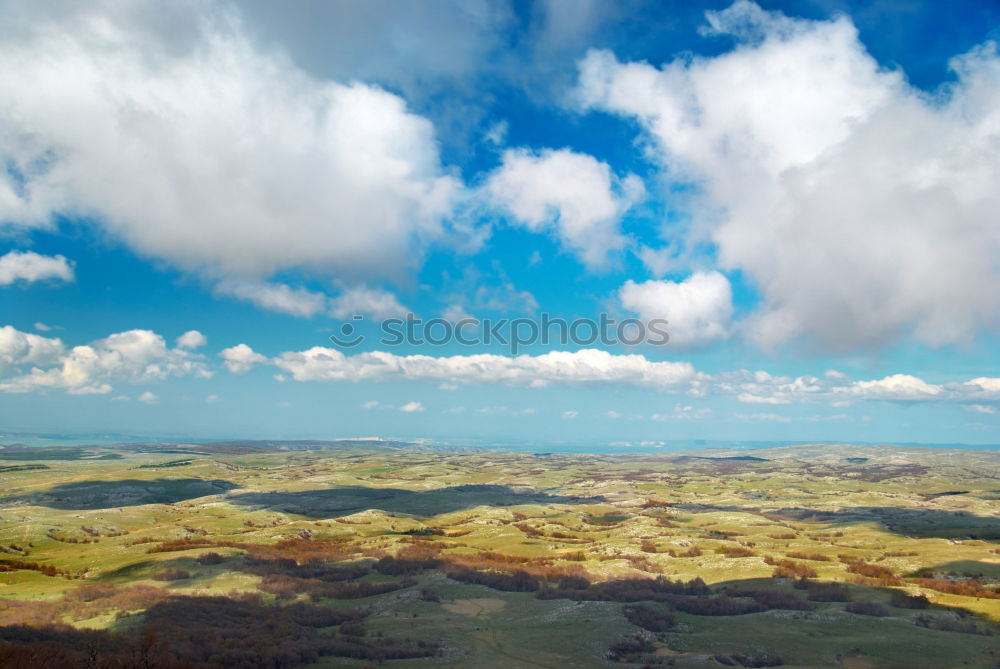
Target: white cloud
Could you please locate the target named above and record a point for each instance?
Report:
(585, 366)
(982, 408)
(209, 152)
(25, 349)
(861, 208)
(895, 387)
(596, 367)
(698, 309)
(32, 363)
(372, 302)
(277, 297)
(42, 327)
(983, 387)
(148, 398)
(750, 398)
(412, 407)
(241, 358)
(29, 266)
(612, 414)
(572, 194)
(191, 339)
(570, 414)
(371, 404)
(211, 399)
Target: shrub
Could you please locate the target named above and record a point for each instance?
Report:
(717, 606)
(968, 588)
(172, 574)
(774, 599)
(210, 558)
(654, 620)
(789, 568)
(828, 592)
(875, 571)
(901, 600)
(628, 648)
(735, 551)
(816, 557)
(867, 609)
(948, 624)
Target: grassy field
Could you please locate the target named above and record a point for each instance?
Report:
(493, 559)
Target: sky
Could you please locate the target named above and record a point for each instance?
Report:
(196, 195)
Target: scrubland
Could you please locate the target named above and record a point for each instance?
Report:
(248, 554)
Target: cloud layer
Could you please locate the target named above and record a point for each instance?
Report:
(596, 367)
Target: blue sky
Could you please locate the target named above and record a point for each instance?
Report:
(196, 195)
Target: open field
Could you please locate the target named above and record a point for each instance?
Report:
(341, 554)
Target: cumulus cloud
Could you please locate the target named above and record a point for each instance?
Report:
(573, 195)
(596, 367)
(698, 309)
(208, 151)
(191, 339)
(240, 359)
(862, 209)
(983, 387)
(148, 398)
(31, 363)
(412, 407)
(895, 387)
(29, 266)
(25, 349)
(584, 367)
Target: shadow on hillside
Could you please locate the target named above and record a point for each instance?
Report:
(88, 495)
(918, 523)
(962, 569)
(344, 501)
